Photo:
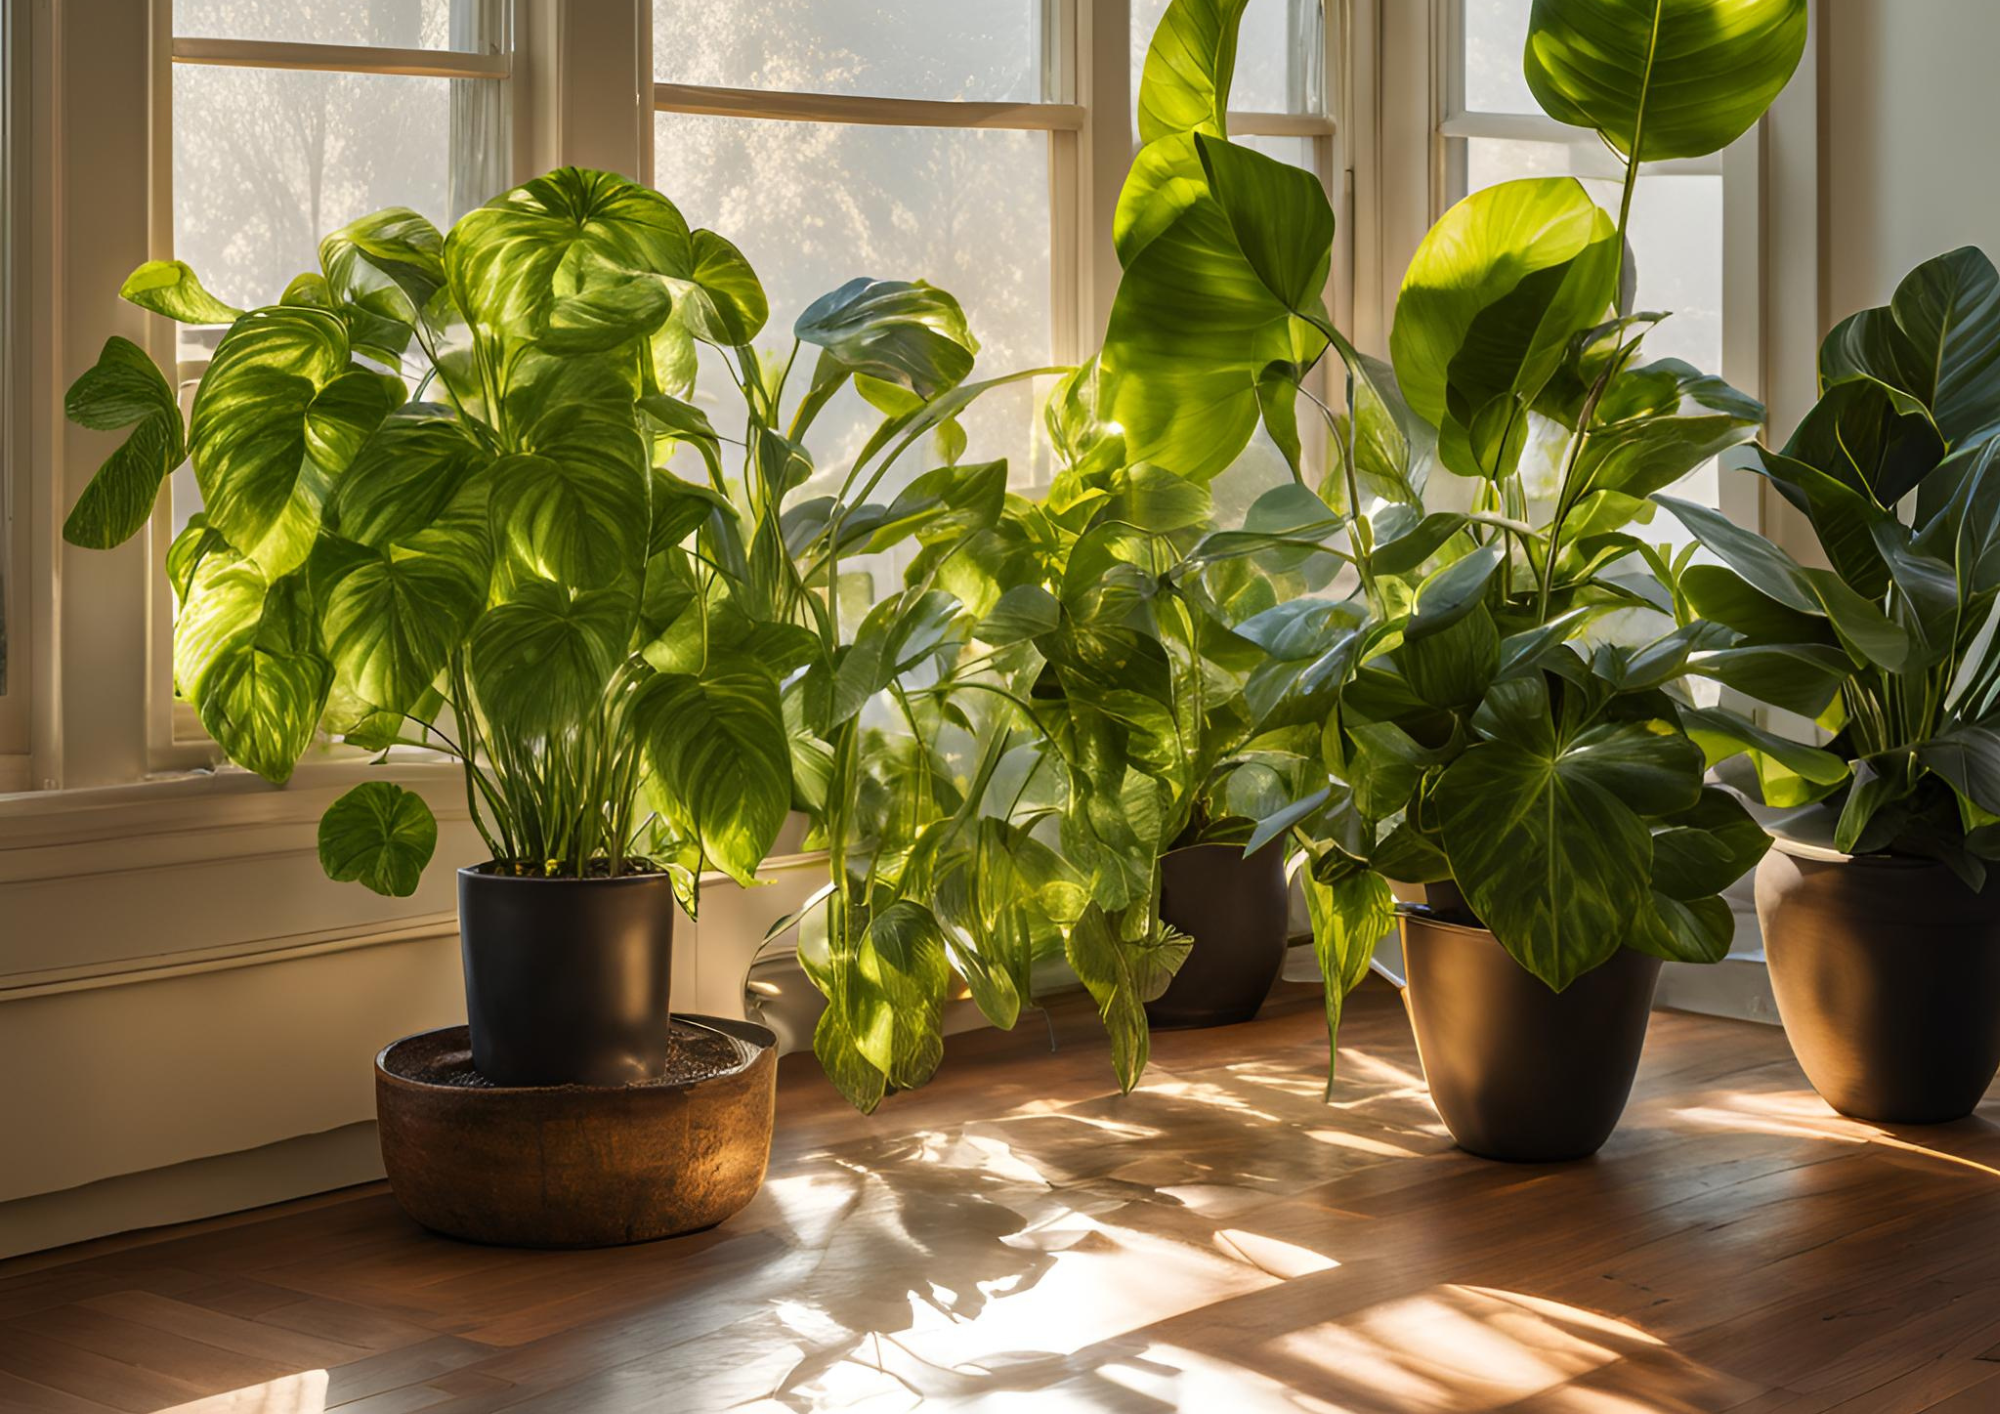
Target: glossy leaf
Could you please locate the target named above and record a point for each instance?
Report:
(1938, 339)
(1349, 917)
(123, 389)
(541, 661)
(1184, 86)
(719, 744)
(1789, 773)
(911, 334)
(1122, 975)
(170, 287)
(1663, 78)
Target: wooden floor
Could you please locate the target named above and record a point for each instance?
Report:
(1015, 1237)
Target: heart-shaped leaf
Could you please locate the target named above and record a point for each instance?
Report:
(379, 834)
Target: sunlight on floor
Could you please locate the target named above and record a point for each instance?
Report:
(303, 1393)
(1803, 1115)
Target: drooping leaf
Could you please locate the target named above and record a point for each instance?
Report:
(1349, 917)
(379, 834)
(719, 744)
(911, 334)
(123, 389)
(1122, 975)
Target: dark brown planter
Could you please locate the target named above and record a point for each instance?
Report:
(578, 1166)
(566, 980)
(1519, 1072)
(1238, 912)
(1887, 976)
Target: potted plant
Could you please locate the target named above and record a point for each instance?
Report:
(1551, 793)
(1879, 925)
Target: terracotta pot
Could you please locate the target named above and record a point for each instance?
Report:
(1517, 1071)
(1238, 912)
(566, 980)
(1887, 975)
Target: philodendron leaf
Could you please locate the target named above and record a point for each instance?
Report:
(897, 1021)
(1938, 339)
(542, 660)
(170, 287)
(508, 262)
(1122, 976)
(405, 475)
(279, 415)
(1680, 78)
(380, 835)
(1789, 773)
(1546, 839)
(1184, 86)
(381, 273)
(1349, 916)
(723, 303)
(391, 622)
(1212, 299)
(605, 316)
(908, 333)
(261, 703)
(1489, 306)
(123, 389)
(1657, 423)
(719, 744)
(577, 507)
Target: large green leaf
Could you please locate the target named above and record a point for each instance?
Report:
(1122, 975)
(542, 660)
(405, 475)
(723, 302)
(1230, 286)
(1678, 78)
(123, 389)
(897, 1019)
(511, 260)
(1937, 339)
(576, 505)
(1184, 86)
(380, 834)
(381, 273)
(170, 287)
(1488, 308)
(719, 745)
(258, 696)
(1546, 838)
(392, 622)
(279, 415)
(1969, 758)
(908, 333)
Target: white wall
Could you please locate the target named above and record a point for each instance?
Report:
(1911, 151)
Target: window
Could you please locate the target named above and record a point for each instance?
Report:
(14, 519)
(293, 117)
(1493, 131)
(904, 139)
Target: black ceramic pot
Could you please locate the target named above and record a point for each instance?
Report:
(1238, 912)
(566, 980)
(1887, 975)
(1519, 1072)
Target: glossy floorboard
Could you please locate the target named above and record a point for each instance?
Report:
(1016, 1236)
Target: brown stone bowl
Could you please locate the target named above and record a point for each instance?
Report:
(577, 1165)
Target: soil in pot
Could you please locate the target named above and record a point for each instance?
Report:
(566, 980)
(1238, 913)
(1517, 1071)
(1887, 977)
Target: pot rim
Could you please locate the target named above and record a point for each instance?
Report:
(1827, 854)
(766, 1042)
(479, 871)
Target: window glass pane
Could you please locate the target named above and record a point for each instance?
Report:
(267, 161)
(1496, 33)
(1278, 67)
(1676, 246)
(974, 50)
(388, 24)
(813, 205)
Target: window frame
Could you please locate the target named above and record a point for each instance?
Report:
(1086, 111)
(18, 606)
(175, 737)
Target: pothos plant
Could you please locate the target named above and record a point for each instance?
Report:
(499, 562)
(1890, 649)
(1485, 484)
